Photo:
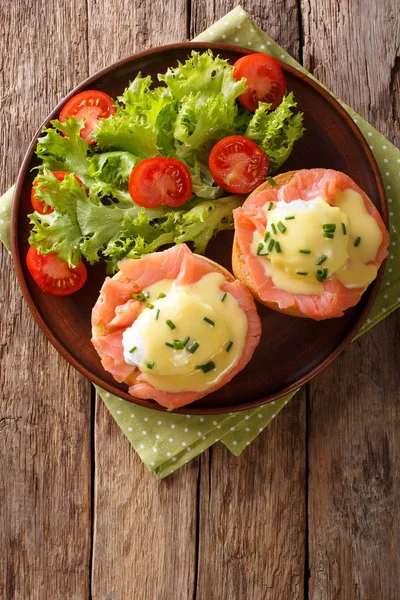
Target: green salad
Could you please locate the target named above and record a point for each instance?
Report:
(194, 106)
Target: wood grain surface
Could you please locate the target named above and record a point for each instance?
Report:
(311, 509)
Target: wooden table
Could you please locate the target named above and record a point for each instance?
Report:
(312, 508)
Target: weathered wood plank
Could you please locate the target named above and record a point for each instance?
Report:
(145, 531)
(354, 536)
(252, 509)
(44, 404)
(252, 515)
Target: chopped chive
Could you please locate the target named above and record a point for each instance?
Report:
(150, 306)
(266, 236)
(229, 347)
(185, 341)
(146, 294)
(141, 297)
(301, 273)
(193, 347)
(278, 247)
(328, 234)
(207, 320)
(224, 295)
(273, 228)
(322, 274)
(269, 205)
(157, 313)
(290, 218)
(281, 227)
(169, 345)
(161, 295)
(271, 245)
(325, 273)
(170, 324)
(133, 349)
(321, 259)
(260, 247)
(357, 241)
(264, 252)
(178, 345)
(344, 229)
(207, 367)
(329, 226)
(271, 181)
(304, 251)
(150, 364)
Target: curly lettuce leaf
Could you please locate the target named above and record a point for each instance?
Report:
(61, 148)
(276, 131)
(204, 74)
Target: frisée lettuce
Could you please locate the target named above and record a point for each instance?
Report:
(194, 107)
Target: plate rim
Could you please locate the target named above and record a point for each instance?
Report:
(57, 343)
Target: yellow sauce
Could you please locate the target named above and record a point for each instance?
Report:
(304, 242)
(174, 370)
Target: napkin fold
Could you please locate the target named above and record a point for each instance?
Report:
(166, 441)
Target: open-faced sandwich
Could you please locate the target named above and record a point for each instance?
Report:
(308, 243)
(174, 326)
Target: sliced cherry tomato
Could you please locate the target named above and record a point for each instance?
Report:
(237, 164)
(91, 105)
(156, 181)
(39, 205)
(53, 275)
(265, 80)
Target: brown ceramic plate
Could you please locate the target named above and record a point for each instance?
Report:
(291, 350)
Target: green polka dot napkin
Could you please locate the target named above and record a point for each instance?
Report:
(166, 441)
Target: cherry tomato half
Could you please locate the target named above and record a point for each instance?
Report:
(156, 181)
(265, 80)
(237, 164)
(53, 275)
(39, 205)
(91, 105)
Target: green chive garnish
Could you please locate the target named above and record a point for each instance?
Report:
(301, 273)
(185, 341)
(229, 347)
(264, 252)
(328, 234)
(157, 313)
(260, 247)
(207, 367)
(133, 349)
(141, 297)
(290, 218)
(193, 347)
(321, 260)
(266, 236)
(169, 345)
(207, 320)
(161, 295)
(178, 345)
(271, 245)
(224, 295)
(269, 205)
(329, 226)
(281, 227)
(150, 364)
(273, 228)
(304, 251)
(146, 294)
(344, 229)
(357, 241)
(271, 181)
(170, 324)
(322, 274)
(278, 247)
(150, 306)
